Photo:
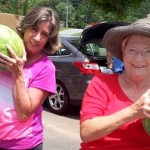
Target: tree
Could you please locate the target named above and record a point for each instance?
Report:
(118, 8)
(83, 12)
(141, 12)
(19, 7)
(66, 11)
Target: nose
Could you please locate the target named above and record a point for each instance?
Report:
(37, 36)
(139, 56)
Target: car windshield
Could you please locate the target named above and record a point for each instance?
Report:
(93, 49)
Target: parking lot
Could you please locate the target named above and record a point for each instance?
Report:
(61, 132)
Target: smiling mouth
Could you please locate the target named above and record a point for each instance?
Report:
(135, 66)
(34, 44)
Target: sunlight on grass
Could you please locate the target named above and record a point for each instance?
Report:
(62, 28)
(77, 34)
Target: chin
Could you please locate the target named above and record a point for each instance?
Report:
(138, 75)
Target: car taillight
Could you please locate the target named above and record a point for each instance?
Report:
(87, 67)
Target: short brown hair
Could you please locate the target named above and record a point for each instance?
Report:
(34, 17)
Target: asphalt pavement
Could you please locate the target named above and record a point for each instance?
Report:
(61, 132)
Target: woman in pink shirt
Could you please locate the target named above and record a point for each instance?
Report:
(27, 81)
(116, 108)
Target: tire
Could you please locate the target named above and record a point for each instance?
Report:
(59, 103)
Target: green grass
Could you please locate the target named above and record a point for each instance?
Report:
(62, 28)
(77, 34)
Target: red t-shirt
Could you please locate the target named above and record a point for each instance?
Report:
(104, 96)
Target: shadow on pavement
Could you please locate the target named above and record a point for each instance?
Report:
(73, 113)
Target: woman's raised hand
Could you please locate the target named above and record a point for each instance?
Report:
(13, 63)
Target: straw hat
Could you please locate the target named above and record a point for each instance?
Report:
(113, 38)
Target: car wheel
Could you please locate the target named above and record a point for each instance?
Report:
(59, 103)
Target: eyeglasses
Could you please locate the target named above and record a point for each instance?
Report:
(134, 52)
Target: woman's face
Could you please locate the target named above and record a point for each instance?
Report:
(35, 38)
(136, 55)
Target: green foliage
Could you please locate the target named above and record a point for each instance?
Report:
(66, 9)
(141, 12)
(19, 7)
(118, 8)
(80, 13)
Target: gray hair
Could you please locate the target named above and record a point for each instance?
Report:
(37, 15)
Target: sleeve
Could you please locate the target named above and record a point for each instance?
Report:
(45, 79)
(95, 99)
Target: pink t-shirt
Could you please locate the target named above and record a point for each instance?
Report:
(15, 134)
(104, 96)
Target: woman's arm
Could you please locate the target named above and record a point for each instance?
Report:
(26, 100)
(98, 127)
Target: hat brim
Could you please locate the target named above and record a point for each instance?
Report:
(114, 37)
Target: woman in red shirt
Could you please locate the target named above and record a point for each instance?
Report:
(115, 106)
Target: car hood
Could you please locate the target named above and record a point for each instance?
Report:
(94, 33)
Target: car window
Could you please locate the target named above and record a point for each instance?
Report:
(62, 51)
(74, 40)
(93, 49)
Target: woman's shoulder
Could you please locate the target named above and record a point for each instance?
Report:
(104, 76)
(44, 64)
(105, 81)
(41, 62)
(46, 60)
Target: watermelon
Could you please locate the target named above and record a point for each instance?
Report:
(9, 37)
(146, 125)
